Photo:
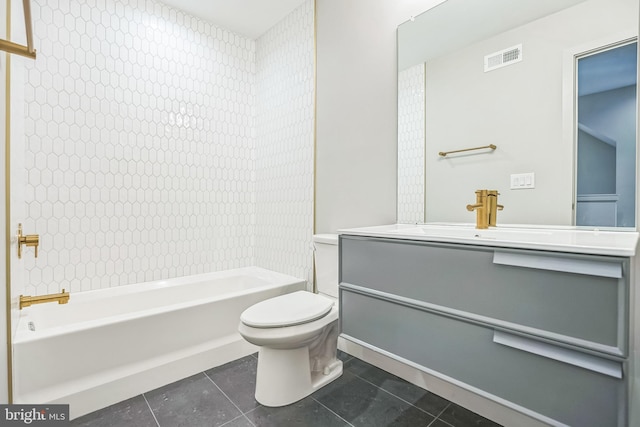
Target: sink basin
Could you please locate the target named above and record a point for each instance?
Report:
(565, 239)
(472, 232)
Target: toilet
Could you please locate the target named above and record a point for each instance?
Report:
(297, 334)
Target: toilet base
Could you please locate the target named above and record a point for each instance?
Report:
(284, 376)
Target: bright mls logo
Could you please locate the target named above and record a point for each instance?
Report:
(35, 415)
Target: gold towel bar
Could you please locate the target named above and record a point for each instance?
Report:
(444, 153)
(19, 49)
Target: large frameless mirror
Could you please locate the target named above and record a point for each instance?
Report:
(487, 74)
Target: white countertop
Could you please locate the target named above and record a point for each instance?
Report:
(547, 238)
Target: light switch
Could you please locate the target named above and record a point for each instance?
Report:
(521, 181)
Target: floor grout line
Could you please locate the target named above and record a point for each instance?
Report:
(400, 398)
(251, 410)
(350, 356)
(437, 420)
(149, 406)
(225, 394)
(248, 420)
(442, 412)
(437, 417)
(329, 409)
(239, 416)
(445, 408)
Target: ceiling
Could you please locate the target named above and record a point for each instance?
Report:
(455, 24)
(250, 18)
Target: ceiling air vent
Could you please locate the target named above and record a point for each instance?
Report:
(503, 58)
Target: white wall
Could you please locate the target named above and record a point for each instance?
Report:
(356, 140)
(284, 145)
(143, 148)
(139, 144)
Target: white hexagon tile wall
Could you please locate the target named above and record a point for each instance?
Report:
(411, 144)
(141, 129)
(284, 146)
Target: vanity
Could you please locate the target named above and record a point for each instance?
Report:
(534, 318)
(538, 319)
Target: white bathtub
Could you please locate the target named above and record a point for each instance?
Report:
(108, 345)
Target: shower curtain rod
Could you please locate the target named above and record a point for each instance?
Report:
(19, 49)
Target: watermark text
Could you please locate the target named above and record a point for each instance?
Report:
(34, 415)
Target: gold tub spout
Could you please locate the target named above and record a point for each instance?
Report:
(26, 301)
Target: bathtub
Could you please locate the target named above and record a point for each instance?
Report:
(108, 345)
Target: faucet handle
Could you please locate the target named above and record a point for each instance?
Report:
(481, 207)
(493, 206)
(28, 240)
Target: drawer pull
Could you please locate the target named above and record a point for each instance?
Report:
(567, 265)
(550, 351)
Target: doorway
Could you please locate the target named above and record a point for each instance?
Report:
(606, 94)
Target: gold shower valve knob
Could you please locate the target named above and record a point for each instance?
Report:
(27, 240)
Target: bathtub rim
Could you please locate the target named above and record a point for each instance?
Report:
(24, 335)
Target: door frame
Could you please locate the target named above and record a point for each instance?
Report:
(570, 104)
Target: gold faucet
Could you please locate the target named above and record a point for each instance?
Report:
(486, 208)
(493, 206)
(28, 240)
(482, 217)
(61, 298)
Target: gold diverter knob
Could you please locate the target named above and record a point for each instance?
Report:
(28, 240)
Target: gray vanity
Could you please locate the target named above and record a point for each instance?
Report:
(537, 320)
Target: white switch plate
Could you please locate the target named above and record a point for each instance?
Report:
(523, 180)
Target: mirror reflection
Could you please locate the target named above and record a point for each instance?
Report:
(550, 84)
(606, 135)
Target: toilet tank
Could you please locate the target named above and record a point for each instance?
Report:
(326, 259)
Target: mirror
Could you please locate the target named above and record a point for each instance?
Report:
(480, 73)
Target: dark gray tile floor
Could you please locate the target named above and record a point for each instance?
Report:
(363, 396)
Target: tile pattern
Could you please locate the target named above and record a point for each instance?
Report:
(140, 145)
(411, 143)
(284, 145)
(223, 396)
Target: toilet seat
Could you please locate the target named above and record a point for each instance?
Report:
(287, 310)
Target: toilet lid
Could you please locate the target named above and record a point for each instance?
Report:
(287, 310)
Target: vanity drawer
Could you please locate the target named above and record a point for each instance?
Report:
(578, 299)
(564, 385)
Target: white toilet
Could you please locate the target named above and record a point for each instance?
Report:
(297, 334)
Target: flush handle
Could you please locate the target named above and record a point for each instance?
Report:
(28, 240)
